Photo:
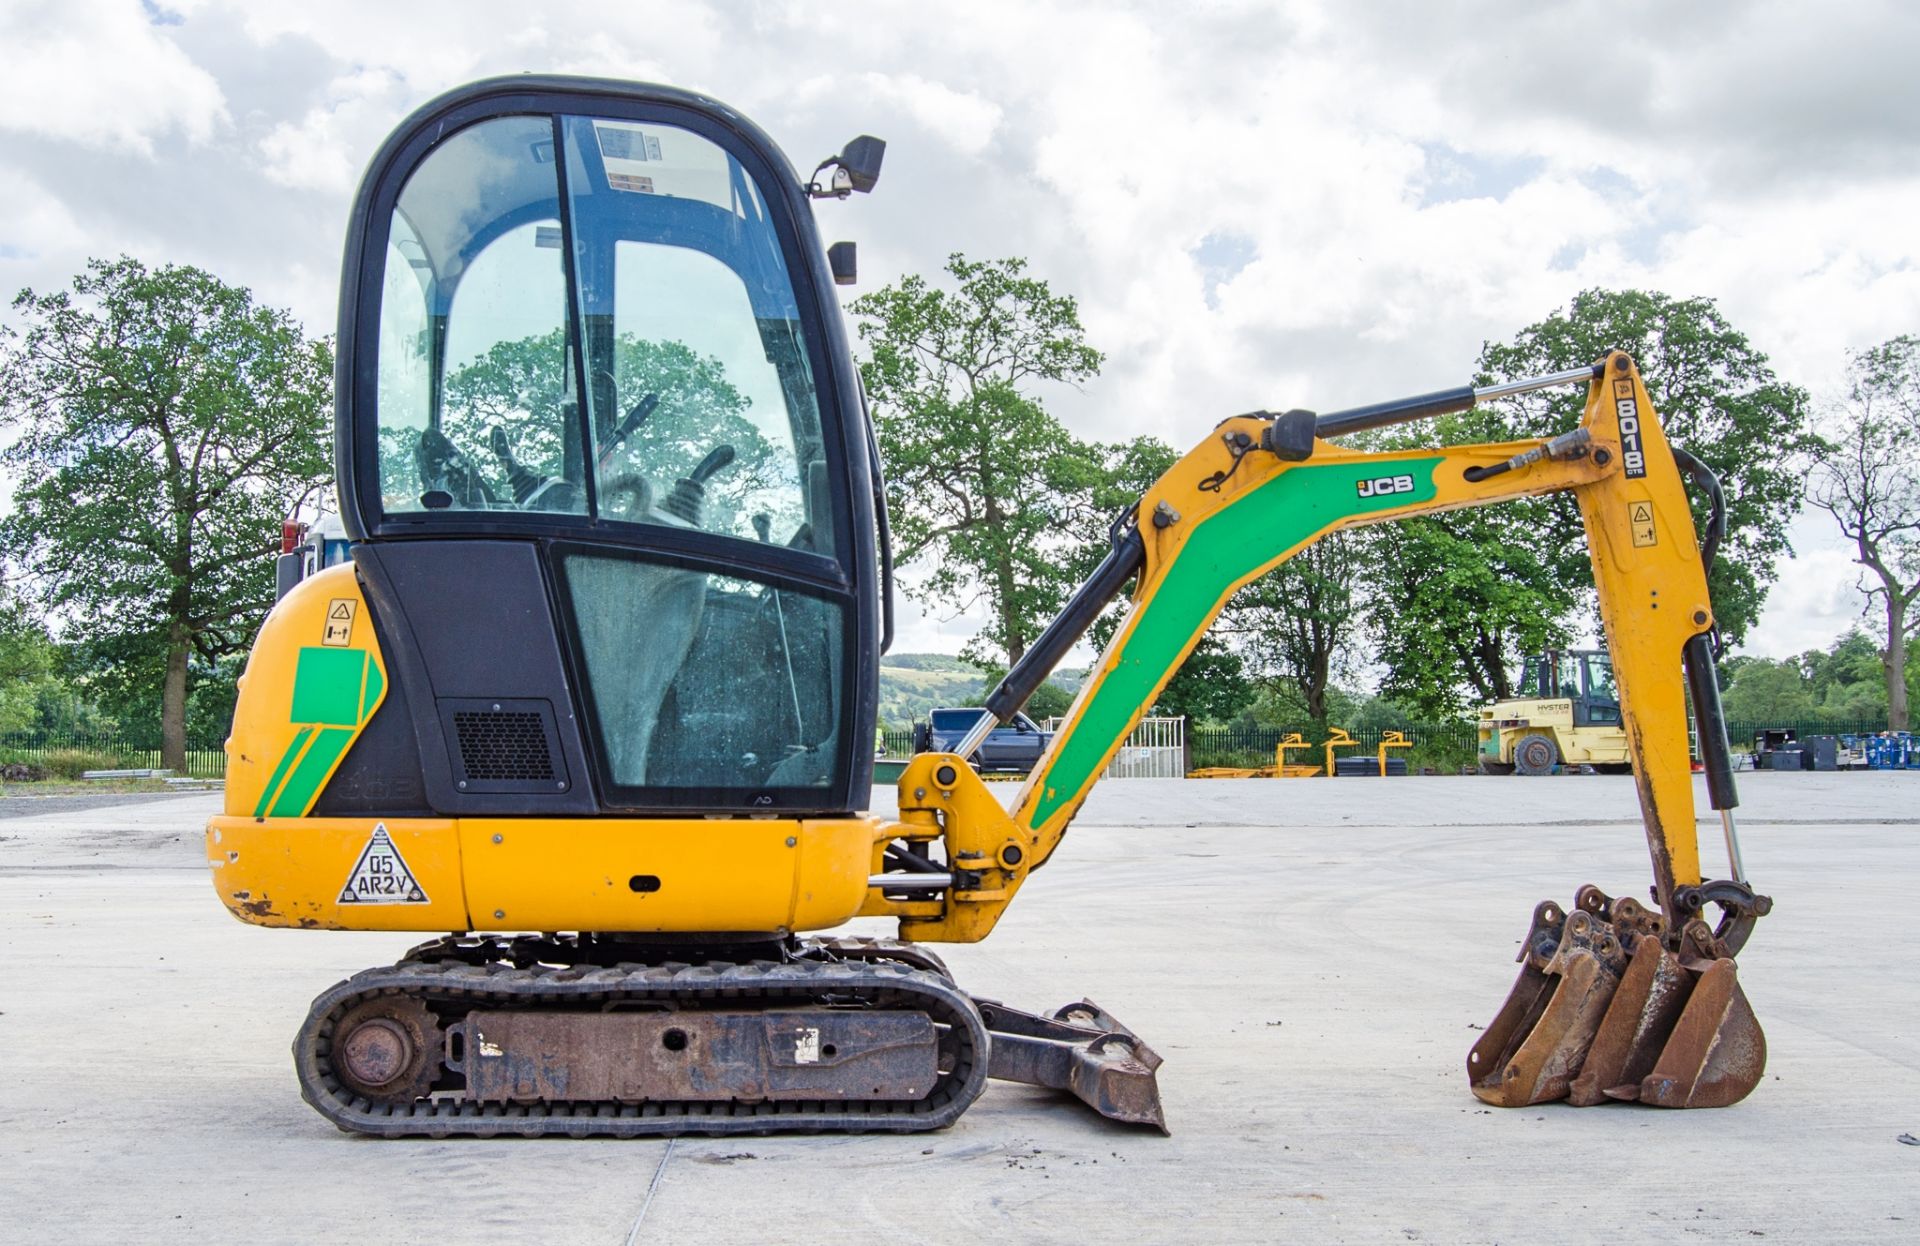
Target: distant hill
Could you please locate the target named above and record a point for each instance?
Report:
(930, 662)
(913, 683)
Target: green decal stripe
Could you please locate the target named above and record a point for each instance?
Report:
(375, 686)
(1226, 549)
(280, 771)
(328, 686)
(304, 783)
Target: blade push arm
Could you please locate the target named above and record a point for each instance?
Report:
(1258, 491)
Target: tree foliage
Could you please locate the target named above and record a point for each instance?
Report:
(981, 481)
(1843, 682)
(27, 663)
(1295, 623)
(164, 427)
(1868, 478)
(1458, 598)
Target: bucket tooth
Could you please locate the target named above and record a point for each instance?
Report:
(1539, 1039)
(1716, 1053)
(1645, 1006)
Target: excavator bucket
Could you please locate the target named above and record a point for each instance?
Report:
(1570, 966)
(1717, 1052)
(1603, 1009)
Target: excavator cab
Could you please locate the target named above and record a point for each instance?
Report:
(604, 461)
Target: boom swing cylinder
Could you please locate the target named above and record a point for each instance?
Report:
(555, 692)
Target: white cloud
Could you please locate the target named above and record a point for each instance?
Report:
(1814, 601)
(328, 147)
(100, 74)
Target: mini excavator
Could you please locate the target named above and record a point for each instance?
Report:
(604, 736)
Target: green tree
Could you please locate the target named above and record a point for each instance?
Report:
(1867, 477)
(1295, 622)
(1765, 691)
(27, 663)
(981, 480)
(164, 426)
(1459, 598)
(1847, 679)
(1717, 397)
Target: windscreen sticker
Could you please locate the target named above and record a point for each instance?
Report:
(381, 875)
(624, 150)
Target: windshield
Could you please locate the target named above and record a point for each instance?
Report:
(528, 253)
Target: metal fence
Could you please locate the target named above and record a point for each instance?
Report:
(1741, 733)
(1247, 746)
(1157, 749)
(67, 755)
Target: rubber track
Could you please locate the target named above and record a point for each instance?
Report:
(462, 987)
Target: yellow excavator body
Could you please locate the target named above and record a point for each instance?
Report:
(608, 737)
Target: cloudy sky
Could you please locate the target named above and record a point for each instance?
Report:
(1257, 205)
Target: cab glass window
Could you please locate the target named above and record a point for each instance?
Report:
(701, 397)
(523, 249)
(477, 408)
(706, 681)
(1600, 685)
(1569, 676)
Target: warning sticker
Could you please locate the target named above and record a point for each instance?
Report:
(381, 876)
(624, 150)
(1640, 516)
(339, 630)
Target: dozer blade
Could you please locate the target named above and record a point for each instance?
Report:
(1538, 1040)
(1588, 1023)
(1081, 1049)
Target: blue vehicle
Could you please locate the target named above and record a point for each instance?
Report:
(1017, 746)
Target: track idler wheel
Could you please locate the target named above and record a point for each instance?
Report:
(388, 1049)
(1605, 1008)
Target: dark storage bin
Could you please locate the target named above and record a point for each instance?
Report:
(1359, 767)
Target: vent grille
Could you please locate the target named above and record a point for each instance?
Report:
(503, 746)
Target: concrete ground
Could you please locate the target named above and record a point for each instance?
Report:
(1313, 960)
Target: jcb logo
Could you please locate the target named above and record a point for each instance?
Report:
(1381, 486)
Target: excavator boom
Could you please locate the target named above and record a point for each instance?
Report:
(1253, 495)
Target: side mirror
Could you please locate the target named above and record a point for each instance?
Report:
(857, 167)
(861, 159)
